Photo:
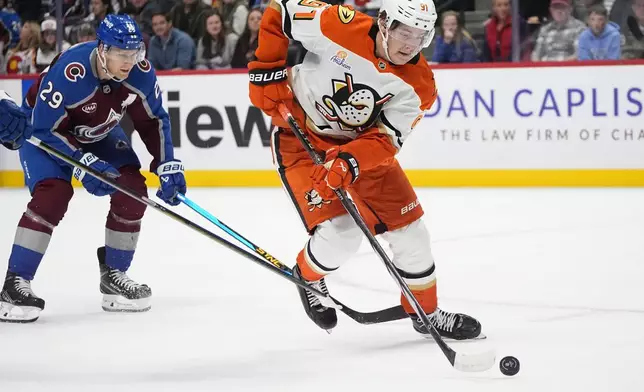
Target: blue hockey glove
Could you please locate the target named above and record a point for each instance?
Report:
(172, 181)
(93, 185)
(14, 124)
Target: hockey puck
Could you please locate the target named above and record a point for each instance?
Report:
(509, 366)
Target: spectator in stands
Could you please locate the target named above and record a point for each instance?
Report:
(86, 33)
(170, 48)
(247, 43)
(117, 5)
(10, 26)
(215, 49)
(634, 33)
(259, 4)
(581, 8)
(619, 11)
(497, 45)
(73, 11)
(143, 10)
(98, 10)
(235, 14)
(558, 39)
(48, 48)
(190, 17)
(601, 40)
(454, 45)
(20, 59)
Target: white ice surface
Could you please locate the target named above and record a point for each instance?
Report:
(555, 276)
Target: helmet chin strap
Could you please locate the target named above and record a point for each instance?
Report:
(103, 63)
(385, 46)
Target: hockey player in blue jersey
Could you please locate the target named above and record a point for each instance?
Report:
(76, 107)
(14, 123)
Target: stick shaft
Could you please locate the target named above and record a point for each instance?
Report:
(353, 211)
(184, 221)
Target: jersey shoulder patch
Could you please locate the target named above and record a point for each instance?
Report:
(348, 28)
(74, 71)
(144, 66)
(346, 14)
(70, 75)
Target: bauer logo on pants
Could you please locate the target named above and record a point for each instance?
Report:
(409, 207)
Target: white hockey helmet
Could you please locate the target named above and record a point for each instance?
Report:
(418, 14)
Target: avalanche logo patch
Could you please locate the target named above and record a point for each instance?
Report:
(353, 106)
(86, 134)
(74, 71)
(144, 66)
(346, 14)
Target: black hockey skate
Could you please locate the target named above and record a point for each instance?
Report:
(455, 326)
(120, 293)
(323, 317)
(18, 304)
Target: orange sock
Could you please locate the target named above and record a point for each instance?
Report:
(426, 298)
(306, 270)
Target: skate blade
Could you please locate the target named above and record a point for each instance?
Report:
(480, 337)
(118, 303)
(18, 314)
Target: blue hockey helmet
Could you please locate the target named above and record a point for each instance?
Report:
(122, 32)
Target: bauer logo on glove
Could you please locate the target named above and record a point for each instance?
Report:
(171, 168)
(262, 77)
(172, 181)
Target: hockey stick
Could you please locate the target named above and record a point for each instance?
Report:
(460, 361)
(151, 203)
(380, 316)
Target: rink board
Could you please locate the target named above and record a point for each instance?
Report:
(553, 125)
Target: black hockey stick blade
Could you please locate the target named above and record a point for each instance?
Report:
(380, 316)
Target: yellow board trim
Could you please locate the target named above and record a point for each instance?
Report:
(420, 178)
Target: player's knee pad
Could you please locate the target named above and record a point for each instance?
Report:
(125, 212)
(48, 205)
(412, 254)
(333, 242)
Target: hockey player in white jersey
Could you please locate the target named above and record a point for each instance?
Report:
(362, 88)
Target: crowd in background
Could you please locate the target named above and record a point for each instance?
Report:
(219, 34)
